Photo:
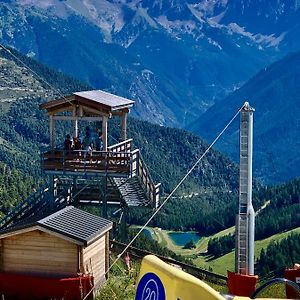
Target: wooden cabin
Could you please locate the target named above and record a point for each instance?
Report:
(70, 243)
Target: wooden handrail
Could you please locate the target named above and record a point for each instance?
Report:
(124, 146)
(139, 168)
(79, 161)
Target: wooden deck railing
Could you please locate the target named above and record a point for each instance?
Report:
(119, 159)
(80, 161)
(139, 168)
(124, 146)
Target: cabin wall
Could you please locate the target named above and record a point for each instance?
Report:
(94, 260)
(39, 253)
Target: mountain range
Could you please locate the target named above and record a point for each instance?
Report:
(274, 93)
(175, 58)
(179, 60)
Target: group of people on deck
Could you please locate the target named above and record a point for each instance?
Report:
(91, 141)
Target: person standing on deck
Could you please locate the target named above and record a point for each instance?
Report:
(68, 144)
(87, 144)
(99, 142)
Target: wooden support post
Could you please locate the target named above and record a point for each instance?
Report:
(52, 193)
(80, 111)
(124, 126)
(123, 225)
(104, 198)
(80, 259)
(51, 132)
(104, 132)
(106, 253)
(75, 124)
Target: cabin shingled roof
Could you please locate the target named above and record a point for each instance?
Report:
(102, 99)
(71, 222)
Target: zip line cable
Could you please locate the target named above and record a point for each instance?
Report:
(170, 195)
(177, 186)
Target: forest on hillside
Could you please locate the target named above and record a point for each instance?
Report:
(14, 187)
(281, 214)
(278, 256)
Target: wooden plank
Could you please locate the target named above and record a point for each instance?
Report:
(73, 118)
(17, 232)
(106, 265)
(94, 259)
(54, 264)
(36, 249)
(29, 251)
(94, 245)
(39, 252)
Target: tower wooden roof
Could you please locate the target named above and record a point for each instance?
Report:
(95, 99)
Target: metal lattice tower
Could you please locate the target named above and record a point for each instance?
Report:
(244, 254)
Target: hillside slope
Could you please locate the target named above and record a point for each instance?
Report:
(274, 93)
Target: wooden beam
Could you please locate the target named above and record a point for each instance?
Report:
(104, 132)
(120, 112)
(80, 259)
(62, 108)
(95, 111)
(106, 253)
(121, 107)
(18, 231)
(71, 118)
(51, 129)
(124, 126)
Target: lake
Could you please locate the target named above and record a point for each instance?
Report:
(181, 238)
(147, 233)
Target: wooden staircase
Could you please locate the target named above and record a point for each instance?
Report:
(139, 188)
(132, 191)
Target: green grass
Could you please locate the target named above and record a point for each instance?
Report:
(222, 264)
(120, 284)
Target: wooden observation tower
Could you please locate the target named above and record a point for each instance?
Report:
(116, 175)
